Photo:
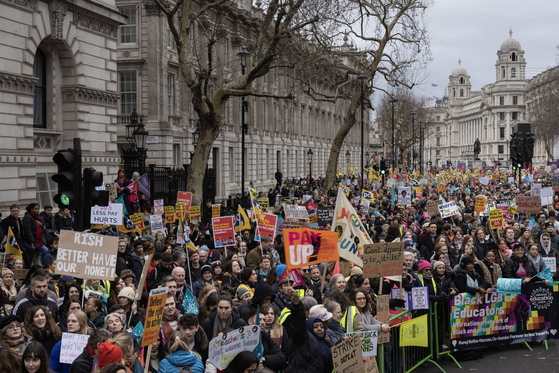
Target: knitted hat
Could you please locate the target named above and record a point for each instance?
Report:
(280, 269)
(217, 263)
(128, 292)
(109, 353)
(6, 271)
(127, 273)
(424, 264)
(438, 263)
(241, 292)
(206, 268)
(466, 260)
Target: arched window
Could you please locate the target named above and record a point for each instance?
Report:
(513, 73)
(461, 80)
(40, 90)
(461, 93)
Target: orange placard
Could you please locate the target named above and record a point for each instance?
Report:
(304, 247)
(186, 198)
(154, 316)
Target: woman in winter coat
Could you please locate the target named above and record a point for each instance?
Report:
(535, 257)
(489, 269)
(549, 249)
(221, 317)
(11, 288)
(518, 265)
(443, 281)
(469, 281)
(180, 357)
(206, 279)
(11, 334)
(33, 228)
(40, 325)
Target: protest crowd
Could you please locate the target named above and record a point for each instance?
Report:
(300, 261)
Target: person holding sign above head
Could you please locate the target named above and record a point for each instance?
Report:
(180, 358)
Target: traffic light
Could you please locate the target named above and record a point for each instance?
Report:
(517, 161)
(383, 167)
(430, 163)
(68, 178)
(92, 196)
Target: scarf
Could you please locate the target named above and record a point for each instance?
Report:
(121, 180)
(336, 330)
(39, 228)
(324, 349)
(15, 342)
(218, 326)
(547, 248)
(472, 282)
(284, 299)
(169, 325)
(535, 261)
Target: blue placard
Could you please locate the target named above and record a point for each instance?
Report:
(509, 285)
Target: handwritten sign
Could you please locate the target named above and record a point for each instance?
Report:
(368, 342)
(111, 214)
(480, 203)
(383, 315)
(448, 209)
(223, 349)
(154, 315)
(305, 246)
(496, 219)
(383, 259)
(20, 274)
(348, 356)
(550, 263)
(433, 207)
(294, 212)
(169, 214)
(528, 204)
(158, 207)
(138, 220)
(546, 195)
(216, 211)
(86, 255)
(111, 187)
(418, 298)
(324, 215)
(72, 346)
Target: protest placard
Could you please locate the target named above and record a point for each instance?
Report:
(156, 223)
(194, 212)
(493, 319)
(480, 203)
(154, 315)
(158, 207)
(528, 204)
(267, 226)
(546, 195)
(169, 214)
(111, 187)
(404, 196)
(294, 212)
(313, 218)
(86, 255)
(186, 198)
(304, 247)
(418, 298)
(484, 180)
(263, 202)
(223, 349)
(496, 219)
(138, 220)
(224, 233)
(415, 332)
(383, 259)
(550, 263)
(144, 276)
(348, 356)
(20, 274)
(433, 207)
(324, 215)
(448, 209)
(535, 189)
(111, 214)
(72, 346)
(216, 211)
(179, 210)
(368, 341)
(383, 315)
(371, 364)
(555, 184)
(509, 214)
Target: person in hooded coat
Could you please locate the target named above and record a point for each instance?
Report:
(180, 357)
(316, 327)
(262, 294)
(549, 249)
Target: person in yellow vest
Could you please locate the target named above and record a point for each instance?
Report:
(351, 320)
(425, 278)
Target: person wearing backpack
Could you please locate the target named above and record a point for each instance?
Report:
(180, 359)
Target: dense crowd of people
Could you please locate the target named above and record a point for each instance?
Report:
(299, 325)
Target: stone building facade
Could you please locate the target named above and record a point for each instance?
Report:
(58, 81)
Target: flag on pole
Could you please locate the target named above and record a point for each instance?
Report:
(259, 349)
(242, 221)
(415, 332)
(12, 245)
(127, 226)
(256, 207)
(143, 185)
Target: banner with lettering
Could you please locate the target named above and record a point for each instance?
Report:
(383, 259)
(493, 319)
(186, 198)
(224, 233)
(304, 247)
(266, 226)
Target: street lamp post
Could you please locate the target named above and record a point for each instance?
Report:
(243, 55)
(413, 140)
(393, 101)
(348, 158)
(421, 146)
(136, 154)
(362, 78)
(309, 156)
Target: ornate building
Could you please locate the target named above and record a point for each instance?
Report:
(58, 80)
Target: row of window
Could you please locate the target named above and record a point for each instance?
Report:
(502, 100)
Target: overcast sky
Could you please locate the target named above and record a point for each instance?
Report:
(473, 31)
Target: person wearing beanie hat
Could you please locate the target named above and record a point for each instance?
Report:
(423, 264)
(11, 289)
(469, 281)
(126, 297)
(217, 269)
(109, 353)
(243, 295)
(206, 279)
(443, 281)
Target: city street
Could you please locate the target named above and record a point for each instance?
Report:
(514, 358)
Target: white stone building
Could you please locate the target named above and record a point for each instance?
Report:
(58, 80)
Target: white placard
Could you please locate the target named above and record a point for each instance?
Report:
(484, 180)
(156, 222)
(418, 298)
(111, 214)
(224, 348)
(448, 209)
(550, 263)
(72, 346)
(546, 195)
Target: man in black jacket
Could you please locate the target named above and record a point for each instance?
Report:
(84, 362)
(13, 221)
(162, 270)
(124, 259)
(262, 294)
(428, 241)
(36, 295)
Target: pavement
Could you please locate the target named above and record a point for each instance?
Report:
(512, 358)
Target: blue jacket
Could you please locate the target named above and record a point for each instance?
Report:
(54, 364)
(181, 359)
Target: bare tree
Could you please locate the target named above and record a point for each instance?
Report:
(543, 108)
(265, 36)
(404, 135)
(392, 47)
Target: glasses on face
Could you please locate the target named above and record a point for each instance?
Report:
(304, 270)
(14, 327)
(427, 269)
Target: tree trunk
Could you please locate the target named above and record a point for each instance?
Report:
(348, 123)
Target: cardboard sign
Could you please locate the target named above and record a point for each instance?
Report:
(528, 204)
(216, 211)
(418, 298)
(324, 216)
(223, 349)
(111, 214)
(368, 342)
(20, 274)
(186, 198)
(448, 209)
(480, 203)
(433, 207)
(154, 315)
(144, 276)
(348, 356)
(158, 207)
(496, 219)
(224, 233)
(156, 223)
(383, 315)
(383, 259)
(550, 263)
(263, 202)
(194, 212)
(304, 247)
(169, 214)
(72, 346)
(111, 187)
(87, 255)
(294, 212)
(138, 220)
(266, 226)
